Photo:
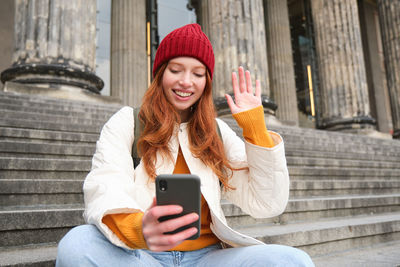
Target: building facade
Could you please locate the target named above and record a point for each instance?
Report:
(331, 65)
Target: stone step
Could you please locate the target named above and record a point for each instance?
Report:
(307, 133)
(296, 152)
(42, 255)
(63, 191)
(338, 173)
(42, 175)
(47, 136)
(315, 208)
(43, 150)
(9, 163)
(56, 103)
(311, 188)
(384, 254)
(340, 163)
(391, 151)
(54, 126)
(14, 115)
(25, 225)
(330, 235)
(304, 134)
(40, 192)
(40, 109)
(333, 142)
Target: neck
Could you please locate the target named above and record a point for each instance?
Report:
(185, 115)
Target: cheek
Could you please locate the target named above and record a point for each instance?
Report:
(166, 83)
(202, 86)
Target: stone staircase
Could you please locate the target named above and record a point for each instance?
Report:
(345, 193)
(345, 189)
(46, 146)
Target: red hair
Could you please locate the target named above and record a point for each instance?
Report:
(159, 118)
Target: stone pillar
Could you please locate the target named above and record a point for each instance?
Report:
(389, 17)
(55, 43)
(237, 32)
(128, 51)
(280, 59)
(344, 100)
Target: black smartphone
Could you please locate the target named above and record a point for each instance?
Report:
(183, 190)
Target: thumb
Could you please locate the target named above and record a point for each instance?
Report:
(231, 104)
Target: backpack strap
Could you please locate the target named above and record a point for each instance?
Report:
(138, 128)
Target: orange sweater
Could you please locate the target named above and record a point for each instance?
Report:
(128, 226)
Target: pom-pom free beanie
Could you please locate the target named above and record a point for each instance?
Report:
(187, 41)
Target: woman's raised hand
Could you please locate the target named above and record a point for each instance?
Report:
(154, 231)
(245, 98)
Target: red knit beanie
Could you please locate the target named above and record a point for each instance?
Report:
(189, 41)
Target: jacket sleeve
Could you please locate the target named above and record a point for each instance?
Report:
(262, 190)
(109, 186)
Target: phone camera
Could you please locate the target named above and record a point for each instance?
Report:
(163, 185)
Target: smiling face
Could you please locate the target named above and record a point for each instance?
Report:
(183, 83)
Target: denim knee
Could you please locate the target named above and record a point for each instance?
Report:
(73, 246)
(277, 255)
(290, 256)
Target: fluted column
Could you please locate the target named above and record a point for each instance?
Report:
(389, 17)
(282, 80)
(344, 101)
(55, 43)
(237, 32)
(128, 51)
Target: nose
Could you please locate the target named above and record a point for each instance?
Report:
(186, 80)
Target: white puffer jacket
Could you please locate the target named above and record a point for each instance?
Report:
(114, 186)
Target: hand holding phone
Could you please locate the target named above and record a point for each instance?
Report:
(174, 217)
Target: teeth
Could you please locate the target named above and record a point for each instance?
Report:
(183, 94)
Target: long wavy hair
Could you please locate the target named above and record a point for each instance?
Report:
(159, 117)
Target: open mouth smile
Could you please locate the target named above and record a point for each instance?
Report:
(182, 94)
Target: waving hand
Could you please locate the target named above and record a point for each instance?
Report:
(245, 98)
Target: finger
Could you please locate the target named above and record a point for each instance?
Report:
(173, 224)
(231, 104)
(158, 211)
(248, 82)
(166, 242)
(242, 80)
(258, 88)
(235, 85)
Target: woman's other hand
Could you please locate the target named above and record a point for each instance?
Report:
(245, 98)
(153, 230)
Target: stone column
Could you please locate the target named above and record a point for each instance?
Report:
(55, 43)
(128, 51)
(282, 81)
(237, 32)
(344, 101)
(389, 17)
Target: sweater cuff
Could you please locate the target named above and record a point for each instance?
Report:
(128, 228)
(255, 131)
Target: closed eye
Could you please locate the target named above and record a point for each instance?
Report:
(173, 71)
(199, 75)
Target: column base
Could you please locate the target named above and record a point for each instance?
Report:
(59, 91)
(39, 73)
(354, 124)
(396, 134)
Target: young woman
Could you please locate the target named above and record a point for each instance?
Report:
(180, 136)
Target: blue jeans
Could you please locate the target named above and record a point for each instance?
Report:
(85, 245)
